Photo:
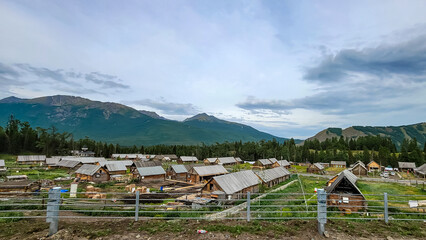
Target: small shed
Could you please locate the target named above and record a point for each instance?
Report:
(338, 164)
(31, 159)
(359, 169)
(373, 166)
(92, 173)
(315, 168)
(201, 174)
(343, 193)
(407, 166)
(210, 161)
(177, 172)
(233, 185)
(187, 159)
(16, 178)
(226, 161)
(284, 163)
(155, 173)
(273, 176)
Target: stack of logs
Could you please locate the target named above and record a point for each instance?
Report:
(94, 193)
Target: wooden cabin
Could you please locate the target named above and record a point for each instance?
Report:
(238, 160)
(116, 168)
(338, 164)
(187, 159)
(373, 166)
(31, 159)
(210, 161)
(343, 193)
(177, 172)
(359, 169)
(226, 161)
(68, 164)
(53, 161)
(201, 174)
(19, 186)
(92, 173)
(273, 176)
(127, 156)
(406, 166)
(315, 168)
(266, 163)
(155, 173)
(233, 185)
(284, 163)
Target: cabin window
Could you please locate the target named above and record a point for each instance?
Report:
(345, 200)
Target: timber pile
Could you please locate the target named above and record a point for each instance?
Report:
(94, 193)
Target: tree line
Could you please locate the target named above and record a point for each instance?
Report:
(20, 138)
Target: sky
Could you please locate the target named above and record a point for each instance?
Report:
(289, 68)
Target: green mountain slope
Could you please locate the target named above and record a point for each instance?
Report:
(397, 133)
(117, 123)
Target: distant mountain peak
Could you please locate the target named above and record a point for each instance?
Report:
(203, 117)
(152, 114)
(11, 99)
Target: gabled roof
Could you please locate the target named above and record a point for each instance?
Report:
(126, 163)
(115, 167)
(319, 166)
(209, 170)
(188, 159)
(360, 164)
(151, 171)
(85, 160)
(421, 169)
(371, 162)
(345, 174)
(211, 160)
(179, 168)
(338, 162)
(235, 182)
(53, 160)
(31, 158)
(407, 165)
(171, 156)
(2, 163)
(284, 163)
(154, 163)
(226, 160)
(265, 162)
(128, 155)
(238, 159)
(88, 169)
(67, 163)
(273, 160)
(273, 173)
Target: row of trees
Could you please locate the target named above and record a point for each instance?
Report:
(19, 138)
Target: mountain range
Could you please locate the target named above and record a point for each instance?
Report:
(117, 123)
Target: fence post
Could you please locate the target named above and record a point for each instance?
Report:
(52, 213)
(248, 207)
(322, 210)
(385, 199)
(137, 207)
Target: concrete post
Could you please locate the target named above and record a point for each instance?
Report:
(385, 199)
(52, 213)
(248, 207)
(137, 207)
(322, 210)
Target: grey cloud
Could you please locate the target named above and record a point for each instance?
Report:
(105, 80)
(407, 58)
(168, 107)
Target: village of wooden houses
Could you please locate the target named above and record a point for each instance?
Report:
(199, 181)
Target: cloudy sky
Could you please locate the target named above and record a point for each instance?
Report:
(290, 68)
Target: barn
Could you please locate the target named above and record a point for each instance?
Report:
(201, 174)
(92, 173)
(338, 164)
(273, 176)
(359, 169)
(343, 193)
(373, 166)
(315, 168)
(187, 159)
(233, 185)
